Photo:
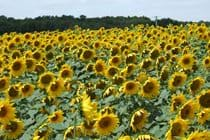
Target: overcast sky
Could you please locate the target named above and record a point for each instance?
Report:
(186, 10)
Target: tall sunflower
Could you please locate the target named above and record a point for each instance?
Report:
(177, 128)
(150, 88)
(13, 129)
(187, 61)
(105, 124)
(18, 67)
(177, 80)
(177, 101)
(7, 111)
(139, 119)
(130, 87)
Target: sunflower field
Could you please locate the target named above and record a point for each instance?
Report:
(138, 83)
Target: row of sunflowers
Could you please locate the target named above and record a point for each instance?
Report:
(142, 82)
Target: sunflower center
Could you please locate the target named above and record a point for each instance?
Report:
(115, 60)
(146, 64)
(176, 129)
(54, 118)
(112, 71)
(87, 54)
(3, 111)
(29, 63)
(25, 88)
(42, 133)
(137, 118)
(54, 86)
(13, 92)
(99, 67)
(2, 83)
(105, 122)
(207, 61)
(195, 85)
(65, 73)
(130, 86)
(148, 87)
(204, 100)
(177, 81)
(46, 79)
(16, 66)
(186, 61)
(36, 55)
(13, 126)
(185, 112)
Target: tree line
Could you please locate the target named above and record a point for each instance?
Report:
(50, 23)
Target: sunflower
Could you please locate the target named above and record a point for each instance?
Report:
(72, 132)
(146, 64)
(204, 99)
(56, 88)
(89, 108)
(150, 88)
(100, 67)
(110, 91)
(27, 90)
(177, 80)
(154, 54)
(139, 119)
(42, 133)
(66, 73)
(13, 129)
(56, 117)
(188, 110)
(142, 77)
(18, 67)
(7, 111)
(115, 60)
(118, 80)
(105, 124)
(196, 84)
(164, 74)
(39, 68)
(204, 115)
(130, 87)
(126, 137)
(87, 54)
(177, 128)
(13, 92)
(111, 71)
(37, 55)
(130, 58)
(206, 62)
(45, 79)
(88, 128)
(4, 83)
(187, 61)
(177, 101)
(204, 135)
(30, 64)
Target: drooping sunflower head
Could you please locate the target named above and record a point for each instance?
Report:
(177, 101)
(177, 80)
(130, 58)
(45, 79)
(142, 77)
(13, 129)
(106, 124)
(18, 67)
(7, 111)
(206, 62)
(196, 84)
(187, 61)
(56, 88)
(56, 117)
(39, 68)
(139, 119)
(177, 128)
(130, 87)
(204, 99)
(150, 88)
(72, 132)
(43, 132)
(88, 128)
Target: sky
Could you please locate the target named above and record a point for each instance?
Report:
(184, 10)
